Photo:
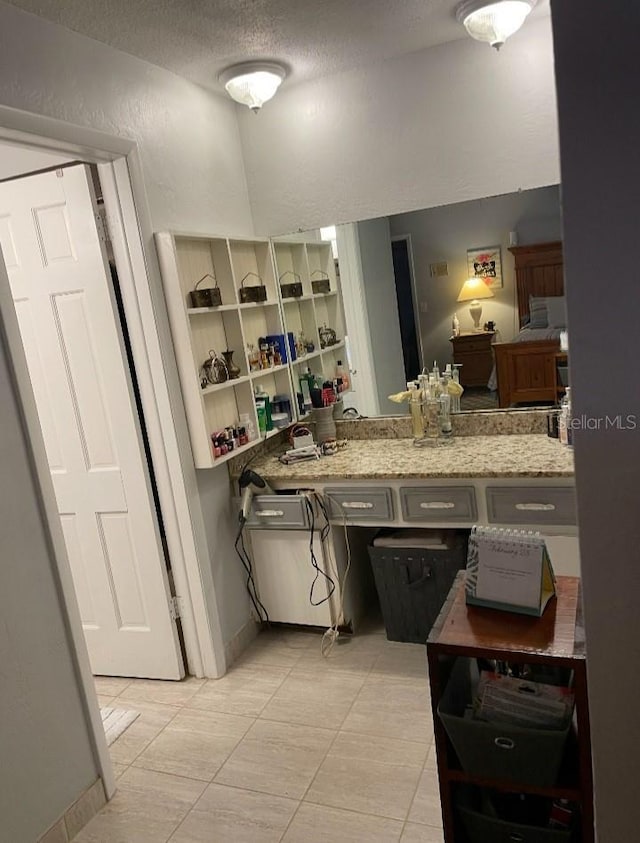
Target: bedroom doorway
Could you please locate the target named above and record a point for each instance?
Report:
(409, 330)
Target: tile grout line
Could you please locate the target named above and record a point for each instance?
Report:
(326, 755)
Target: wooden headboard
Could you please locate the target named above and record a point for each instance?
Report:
(539, 272)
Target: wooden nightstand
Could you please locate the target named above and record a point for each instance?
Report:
(473, 351)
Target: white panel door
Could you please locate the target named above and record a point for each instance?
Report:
(61, 287)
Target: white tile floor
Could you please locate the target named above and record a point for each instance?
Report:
(288, 746)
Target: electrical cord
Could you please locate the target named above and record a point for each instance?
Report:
(250, 584)
(331, 635)
(324, 532)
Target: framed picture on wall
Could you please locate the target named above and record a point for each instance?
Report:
(485, 263)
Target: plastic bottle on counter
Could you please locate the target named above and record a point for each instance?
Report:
(415, 405)
(564, 424)
(341, 372)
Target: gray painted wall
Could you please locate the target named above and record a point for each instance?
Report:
(599, 141)
(445, 234)
(46, 754)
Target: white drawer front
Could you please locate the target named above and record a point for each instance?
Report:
(434, 503)
(360, 504)
(531, 505)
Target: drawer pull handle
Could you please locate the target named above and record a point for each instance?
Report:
(536, 507)
(517, 838)
(437, 505)
(357, 505)
(269, 513)
(504, 743)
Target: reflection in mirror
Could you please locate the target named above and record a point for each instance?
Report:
(401, 278)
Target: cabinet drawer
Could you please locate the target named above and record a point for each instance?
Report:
(531, 505)
(278, 512)
(445, 503)
(360, 504)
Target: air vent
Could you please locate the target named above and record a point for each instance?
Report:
(439, 270)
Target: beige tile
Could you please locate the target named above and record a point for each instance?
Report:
(225, 814)
(276, 758)
(426, 808)
(402, 661)
(119, 769)
(241, 691)
(386, 750)
(152, 720)
(274, 649)
(195, 744)
(414, 833)
(158, 691)
(314, 699)
(393, 709)
(106, 702)
(85, 809)
(371, 788)
(147, 808)
(319, 824)
(351, 654)
(56, 834)
(432, 759)
(110, 686)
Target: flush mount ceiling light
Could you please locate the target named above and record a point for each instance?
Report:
(252, 83)
(493, 22)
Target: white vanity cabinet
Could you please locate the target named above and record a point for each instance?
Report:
(542, 504)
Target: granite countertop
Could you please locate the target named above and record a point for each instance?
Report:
(527, 455)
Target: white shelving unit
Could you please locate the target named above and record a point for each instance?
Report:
(235, 325)
(312, 260)
(184, 259)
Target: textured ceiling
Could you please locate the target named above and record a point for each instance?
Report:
(198, 38)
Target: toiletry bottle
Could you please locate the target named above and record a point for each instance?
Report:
(568, 425)
(430, 408)
(563, 421)
(446, 428)
(415, 405)
(341, 372)
(455, 377)
(262, 415)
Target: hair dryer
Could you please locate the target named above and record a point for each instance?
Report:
(251, 484)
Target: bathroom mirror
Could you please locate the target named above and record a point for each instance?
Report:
(393, 290)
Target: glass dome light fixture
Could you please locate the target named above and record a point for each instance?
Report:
(493, 22)
(252, 83)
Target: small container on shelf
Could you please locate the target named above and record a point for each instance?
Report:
(321, 284)
(253, 293)
(207, 296)
(292, 289)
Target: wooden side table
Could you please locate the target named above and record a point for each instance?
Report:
(473, 351)
(554, 639)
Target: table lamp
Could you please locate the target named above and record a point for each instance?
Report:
(472, 290)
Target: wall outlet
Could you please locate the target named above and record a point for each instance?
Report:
(424, 306)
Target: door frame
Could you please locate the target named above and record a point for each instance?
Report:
(129, 218)
(414, 291)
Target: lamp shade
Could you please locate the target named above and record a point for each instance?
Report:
(252, 83)
(475, 288)
(493, 22)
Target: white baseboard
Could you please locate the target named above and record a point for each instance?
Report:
(234, 648)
